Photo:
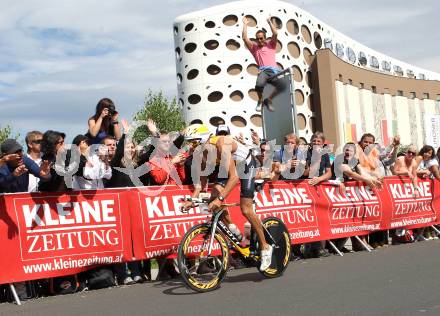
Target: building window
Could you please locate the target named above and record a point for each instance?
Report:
(412, 95)
(400, 93)
(425, 95)
(362, 59)
(373, 88)
(340, 50)
(328, 44)
(362, 86)
(374, 62)
(350, 82)
(386, 66)
(438, 97)
(340, 78)
(398, 70)
(410, 73)
(351, 55)
(386, 91)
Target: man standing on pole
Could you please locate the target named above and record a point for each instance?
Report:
(264, 54)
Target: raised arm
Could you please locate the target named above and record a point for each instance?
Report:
(273, 29)
(246, 40)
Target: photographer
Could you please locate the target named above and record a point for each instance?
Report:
(104, 122)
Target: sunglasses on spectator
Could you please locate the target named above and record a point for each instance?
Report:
(411, 153)
(37, 141)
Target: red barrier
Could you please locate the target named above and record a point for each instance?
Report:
(46, 235)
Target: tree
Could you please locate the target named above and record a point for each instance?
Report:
(5, 133)
(167, 115)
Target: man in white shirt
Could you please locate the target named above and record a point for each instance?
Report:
(33, 141)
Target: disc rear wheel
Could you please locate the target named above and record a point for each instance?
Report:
(277, 235)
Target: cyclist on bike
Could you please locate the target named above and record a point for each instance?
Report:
(230, 155)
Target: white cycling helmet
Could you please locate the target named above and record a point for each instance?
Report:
(198, 132)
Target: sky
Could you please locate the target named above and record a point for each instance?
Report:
(59, 58)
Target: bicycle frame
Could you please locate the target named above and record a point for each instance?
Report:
(216, 223)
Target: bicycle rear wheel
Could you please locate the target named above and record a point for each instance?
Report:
(276, 233)
(200, 271)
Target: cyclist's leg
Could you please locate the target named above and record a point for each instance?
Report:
(246, 206)
(247, 191)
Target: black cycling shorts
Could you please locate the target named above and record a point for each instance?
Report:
(247, 184)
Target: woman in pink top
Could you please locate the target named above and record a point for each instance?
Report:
(264, 54)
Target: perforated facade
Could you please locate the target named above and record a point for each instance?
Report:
(216, 73)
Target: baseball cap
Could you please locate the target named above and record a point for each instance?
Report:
(10, 146)
(222, 130)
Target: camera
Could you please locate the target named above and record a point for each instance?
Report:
(111, 110)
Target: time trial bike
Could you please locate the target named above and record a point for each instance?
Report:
(204, 253)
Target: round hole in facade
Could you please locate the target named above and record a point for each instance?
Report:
(279, 47)
(181, 103)
(192, 74)
(277, 22)
(176, 30)
(236, 96)
(309, 79)
(190, 47)
(216, 121)
(215, 96)
(310, 103)
(317, 39)
(232, 44)
(252, 69)
(299, 97)
(211, 44)
(235, 69)
(238, 121)
(306, 34)
(253, 94)
(257, 120)
(301, 121)
(293, 49)
(179, 78)
(292, 27)
(213, 70)
(177, 50)
(297, 74)
(196, 121)
(189, 27)
(230, 20)
(312, 123)
(194, 99)
(210, 24)
(308, 56)
(252, 22)
(280, 66)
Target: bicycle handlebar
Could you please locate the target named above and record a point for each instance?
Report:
(197, 201)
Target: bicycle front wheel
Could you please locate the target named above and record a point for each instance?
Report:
(203, 261)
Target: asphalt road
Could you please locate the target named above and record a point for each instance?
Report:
(398, 280)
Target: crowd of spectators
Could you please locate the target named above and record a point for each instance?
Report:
(107, 151)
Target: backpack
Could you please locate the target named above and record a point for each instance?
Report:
(64, 285)
(100, 278)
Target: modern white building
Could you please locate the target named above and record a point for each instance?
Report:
(216, 73)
